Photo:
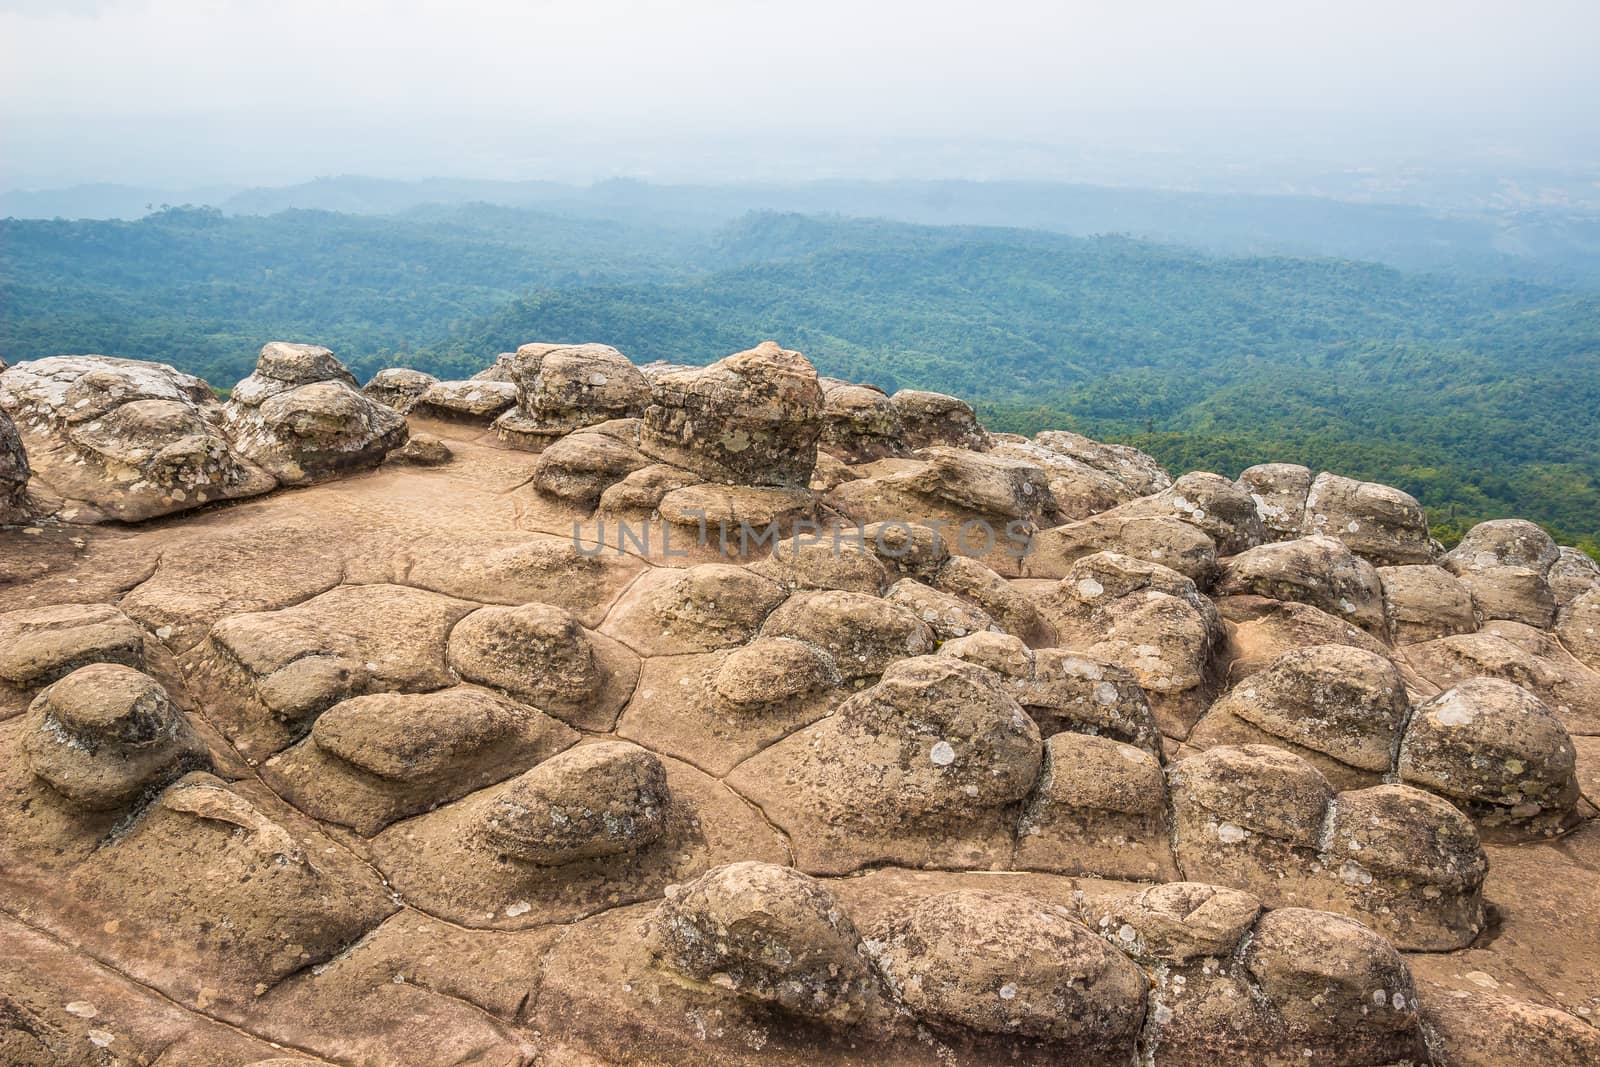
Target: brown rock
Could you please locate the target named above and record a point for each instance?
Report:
(1494, 749)
(1142, 474)
(590, 802)
(1336, 983)
(1423, 602)
(106, 734)
(862, 633)
(398, 388)
(468, 401)
(1504, 564)
(14, 472)
(1317, 570)
(1378, 522)
(1099, 809)
(752, 418)
(859, 424)
(122, 439)
(768, 934)
(540, 655)
(1008, 964)
(1148, 619)
(373, 759)
(1279, 490)
(40, 645)
(930, 419)
(1339, 707)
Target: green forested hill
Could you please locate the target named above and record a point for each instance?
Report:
(1481, 396)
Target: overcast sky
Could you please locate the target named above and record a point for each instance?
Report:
(200, 91)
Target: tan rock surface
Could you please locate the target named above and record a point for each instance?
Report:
(391, 770)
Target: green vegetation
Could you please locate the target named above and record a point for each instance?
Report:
(1480, 396)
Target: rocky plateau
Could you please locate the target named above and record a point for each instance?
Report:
(592, 714)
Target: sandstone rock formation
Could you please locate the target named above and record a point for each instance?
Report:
(14, 472)
(480, 756)
(124, 440)
(300, 417)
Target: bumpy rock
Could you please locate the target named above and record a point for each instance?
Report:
(1179, 921)
(769, 934)
(1100, 809)
(1209, 503)
(752, 418)
(301, 419)
(863, 634)
(282, 366)
(986, 483)
(933, 760)
(590, 802)
(422, 450)
(699, 609)
(946, 614)
(1572, 575)
(834, 559)
(1003, 963)
(1378, 522)
(541, 656)
(580, 467)
(1423, 602)
(771, 670)
(1279, 490)
(469, 401)
(1154, 538)
(1149, 619)
(1480, 1029)
(1011, 609)
(929, 419)
(1317, 570)
(1579, 628)
(1562, 682)
(859, 424)
(1494, 749)
(398, 387)
(1335, 982)
(560, 388)
(373, 759)
(105, 734)
(1505, 564)
(1408, 864)
(1079, 489)
(40, 645)
(1061, 690)
(1339, 707)
(1262, 819)
(125, 440)
(14, 472)
(1141, 473)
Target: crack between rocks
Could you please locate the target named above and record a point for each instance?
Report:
(82, 952)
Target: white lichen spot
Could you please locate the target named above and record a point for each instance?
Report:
(1088, 588)
(521, 907)
(1008, 991)
(942, 754)
(1229, 834)
(82, 1009)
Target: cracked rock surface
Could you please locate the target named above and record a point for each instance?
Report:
(457, 756)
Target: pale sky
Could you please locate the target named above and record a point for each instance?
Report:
(202, 91)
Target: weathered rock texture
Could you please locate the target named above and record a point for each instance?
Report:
(435, 765)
